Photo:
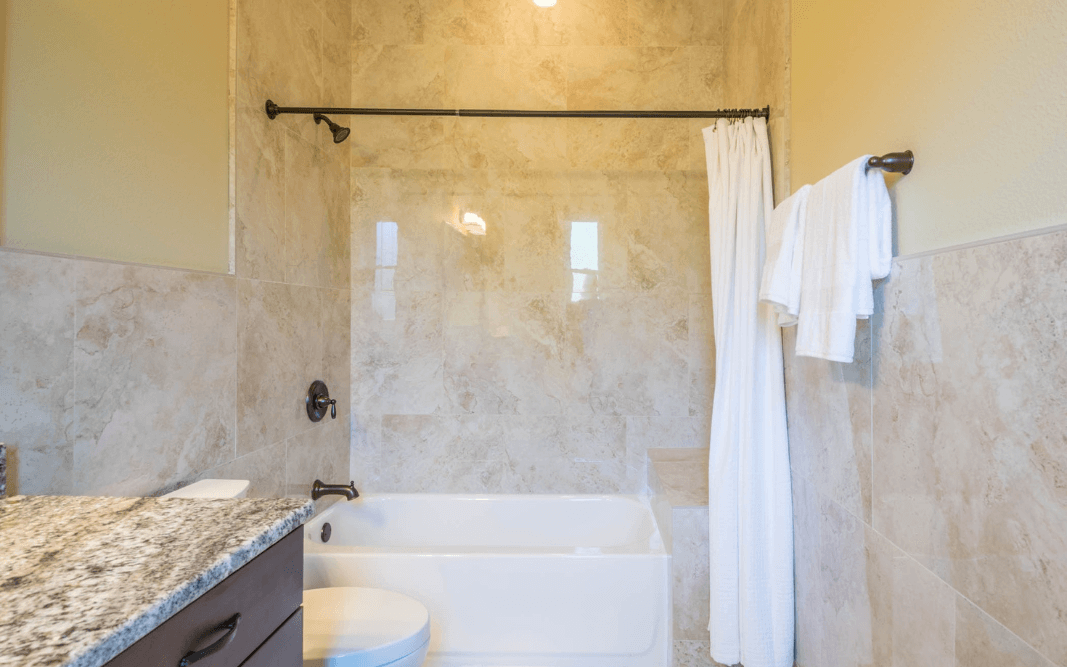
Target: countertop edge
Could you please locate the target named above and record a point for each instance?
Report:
(226, 564)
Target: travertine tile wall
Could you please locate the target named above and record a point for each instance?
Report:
(130, 380)
(477, 364)
(756, 51)
(930, 491)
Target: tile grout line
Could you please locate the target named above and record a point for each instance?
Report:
(952, 588)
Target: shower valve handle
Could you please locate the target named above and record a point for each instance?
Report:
(322, 401)
(317, 399)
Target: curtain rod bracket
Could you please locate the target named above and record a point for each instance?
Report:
(897, 163)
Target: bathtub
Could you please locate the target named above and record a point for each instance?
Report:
(509, 580)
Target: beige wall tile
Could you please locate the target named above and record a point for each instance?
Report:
(492, 320)
(922, 619)
(535, 245)
(627, 145)
(279, 354)
(525, 144)
(280, 43)
(336, 347)
(628, 354)
(664, 234)
(830, 422)
(307, 223)
(701, 358)
(982, 642)
(37, 330)
(529, 24)
(693, 653)
(594, 22)
(260, 189)
(968, 417)
(860, 600)
(504, 353)
(808, 576)
(388, 22)
(318, 453)
(565, 455)
(691, 573)
(398, 351)
(756, 39)
(510, 77)
(154, 362)
(705, 78)
(625, 77)
(485, 21)
(966, 403)
(337, 55)
(403, 142)
(384, 216)
(399, 76)
(264, 469)
(365, 447)
(675, 23)
(441, 454)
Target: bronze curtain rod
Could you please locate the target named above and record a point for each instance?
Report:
(893, 162)
(273, 110)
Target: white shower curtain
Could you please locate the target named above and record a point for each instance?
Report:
(751, 509)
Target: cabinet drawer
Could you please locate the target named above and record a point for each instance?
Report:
(285, 648)
(265, 592)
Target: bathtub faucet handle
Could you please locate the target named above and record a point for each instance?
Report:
(318, 490)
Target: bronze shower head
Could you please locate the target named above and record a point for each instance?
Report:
(339, 133)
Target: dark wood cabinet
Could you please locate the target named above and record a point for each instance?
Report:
(266, 593)
(282, 649)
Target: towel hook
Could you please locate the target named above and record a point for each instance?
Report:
(898, 163)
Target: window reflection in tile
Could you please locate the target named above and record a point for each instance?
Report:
(385, 261)
(585, 260)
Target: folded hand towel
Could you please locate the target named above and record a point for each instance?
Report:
(780, 286)
(846, 243)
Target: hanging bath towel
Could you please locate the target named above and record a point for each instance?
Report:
(750, 501)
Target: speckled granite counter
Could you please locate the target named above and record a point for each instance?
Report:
(82, 579)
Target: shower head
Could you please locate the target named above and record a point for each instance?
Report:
(339, 133)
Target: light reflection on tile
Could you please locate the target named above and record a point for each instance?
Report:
(531, 325)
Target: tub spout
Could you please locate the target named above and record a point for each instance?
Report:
(318, 490)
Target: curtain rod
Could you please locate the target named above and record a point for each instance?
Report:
(273, 110)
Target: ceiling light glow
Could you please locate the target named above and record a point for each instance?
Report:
(545, 3)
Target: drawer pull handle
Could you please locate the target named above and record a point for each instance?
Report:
(229, 626)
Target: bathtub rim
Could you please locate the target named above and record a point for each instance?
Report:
(653, 545)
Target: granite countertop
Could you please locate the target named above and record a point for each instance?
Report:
(82, 579)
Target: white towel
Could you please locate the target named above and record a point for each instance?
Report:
(780, 286)
(846, 244)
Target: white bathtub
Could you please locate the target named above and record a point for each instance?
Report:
(537, 581)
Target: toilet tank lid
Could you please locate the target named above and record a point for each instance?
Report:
(212, 488)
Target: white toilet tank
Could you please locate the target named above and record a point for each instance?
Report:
(212, 488)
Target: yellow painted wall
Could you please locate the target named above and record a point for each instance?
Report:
(977, 89)
(116, 130)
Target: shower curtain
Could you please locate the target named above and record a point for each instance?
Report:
(751, 509)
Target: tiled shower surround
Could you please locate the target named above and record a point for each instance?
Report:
(130, 380)
(930, 477)
(531, 297)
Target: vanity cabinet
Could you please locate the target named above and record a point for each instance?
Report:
(253, 616)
